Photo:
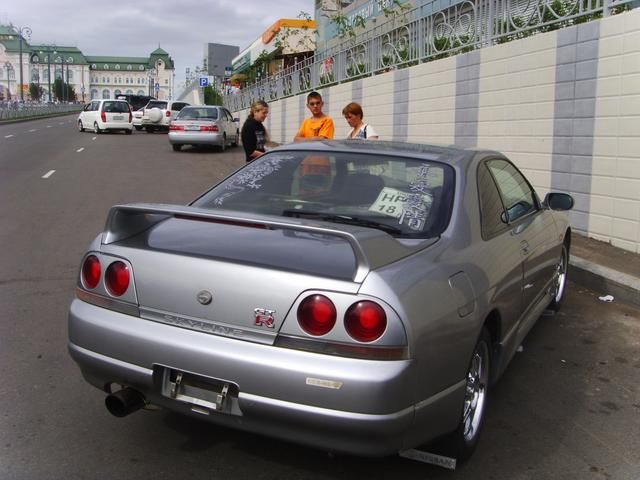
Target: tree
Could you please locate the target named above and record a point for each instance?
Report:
(212, 97)
(35, 91)
(59, 88)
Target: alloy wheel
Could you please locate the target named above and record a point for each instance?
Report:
(475, 391)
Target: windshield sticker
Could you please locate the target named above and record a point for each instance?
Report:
(409, 208)
(418, 203)
(250, 176)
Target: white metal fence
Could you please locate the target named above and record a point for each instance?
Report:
(424, 34)
(18, 111)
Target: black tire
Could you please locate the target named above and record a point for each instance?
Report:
(559, 283)
(176, 147)
(223, 145)
(80, 126)
(236, 138)
(461, 443)
(96, 128)
(138, 128)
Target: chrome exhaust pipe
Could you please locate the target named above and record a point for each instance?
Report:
(125, 401)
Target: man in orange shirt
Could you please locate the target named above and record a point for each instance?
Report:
(319, 126)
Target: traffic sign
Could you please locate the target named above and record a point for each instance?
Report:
(204, 81)
(157, 87)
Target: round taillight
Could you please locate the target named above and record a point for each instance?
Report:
(365, 321)
(317, 315)
(91, 271)
(117, 278)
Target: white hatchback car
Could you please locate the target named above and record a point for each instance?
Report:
(106, 114)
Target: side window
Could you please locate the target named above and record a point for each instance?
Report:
(517, 195)
(491, 208)
(95, 106)
(176, 107)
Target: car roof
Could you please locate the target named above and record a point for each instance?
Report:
(444, 153)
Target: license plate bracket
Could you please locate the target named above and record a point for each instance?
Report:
(118, 117)
(204, 394)
(192, 128)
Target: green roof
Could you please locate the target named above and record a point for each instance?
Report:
(11, 42)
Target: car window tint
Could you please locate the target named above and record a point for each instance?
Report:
(412, 195)
(176, 107)
(157, 104)
(517, 195)
(115, 107)
(491, 208)
(198, 113)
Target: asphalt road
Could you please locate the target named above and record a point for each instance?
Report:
(568, 407)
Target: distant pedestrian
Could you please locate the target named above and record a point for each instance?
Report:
(319, 126)
(353, 115)
(254, 135)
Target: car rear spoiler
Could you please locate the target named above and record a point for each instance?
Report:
(372, 248)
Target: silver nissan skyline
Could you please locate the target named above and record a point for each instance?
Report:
(357, 297)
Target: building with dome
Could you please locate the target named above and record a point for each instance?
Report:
(90, 76)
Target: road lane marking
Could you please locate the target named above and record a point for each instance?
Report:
(48, 126)
(8, 136)
(94, 138)
(33, 130)
(80, 149)
(48, 174)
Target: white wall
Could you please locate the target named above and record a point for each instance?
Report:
(564, 106)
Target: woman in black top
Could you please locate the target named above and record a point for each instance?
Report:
(254, 135)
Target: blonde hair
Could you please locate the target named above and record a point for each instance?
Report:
(257, 106)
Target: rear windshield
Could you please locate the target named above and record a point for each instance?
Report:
(197, 113)
(115, 107)
(406, 197)
(156, 104)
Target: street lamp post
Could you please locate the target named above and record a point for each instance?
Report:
(20, 31)
(49, 52)
(9, 68)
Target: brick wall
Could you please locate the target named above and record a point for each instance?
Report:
(564, 106)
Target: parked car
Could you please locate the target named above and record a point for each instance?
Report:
(358, 297)
(102, 115)
(204, 125)
(137, 118)
(157, 114)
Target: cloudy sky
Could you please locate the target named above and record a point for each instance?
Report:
(136, 27)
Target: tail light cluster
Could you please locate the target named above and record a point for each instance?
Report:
(117, 276)
(167, 113)
(173, 127)
(103, 116)
(365, 321)
(208, 128)
(130, 115)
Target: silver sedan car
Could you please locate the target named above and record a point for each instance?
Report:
(359, 297)
(203, 125)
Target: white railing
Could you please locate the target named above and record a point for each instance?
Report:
(17, 111)
(423, 34)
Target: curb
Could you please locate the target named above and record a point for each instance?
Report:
(624, 288)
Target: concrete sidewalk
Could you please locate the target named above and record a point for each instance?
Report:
(605, 269)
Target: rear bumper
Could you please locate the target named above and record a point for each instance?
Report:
(369, 414)
(195, 138)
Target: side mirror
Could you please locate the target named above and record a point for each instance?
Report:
(558, 201)
(236, 119)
